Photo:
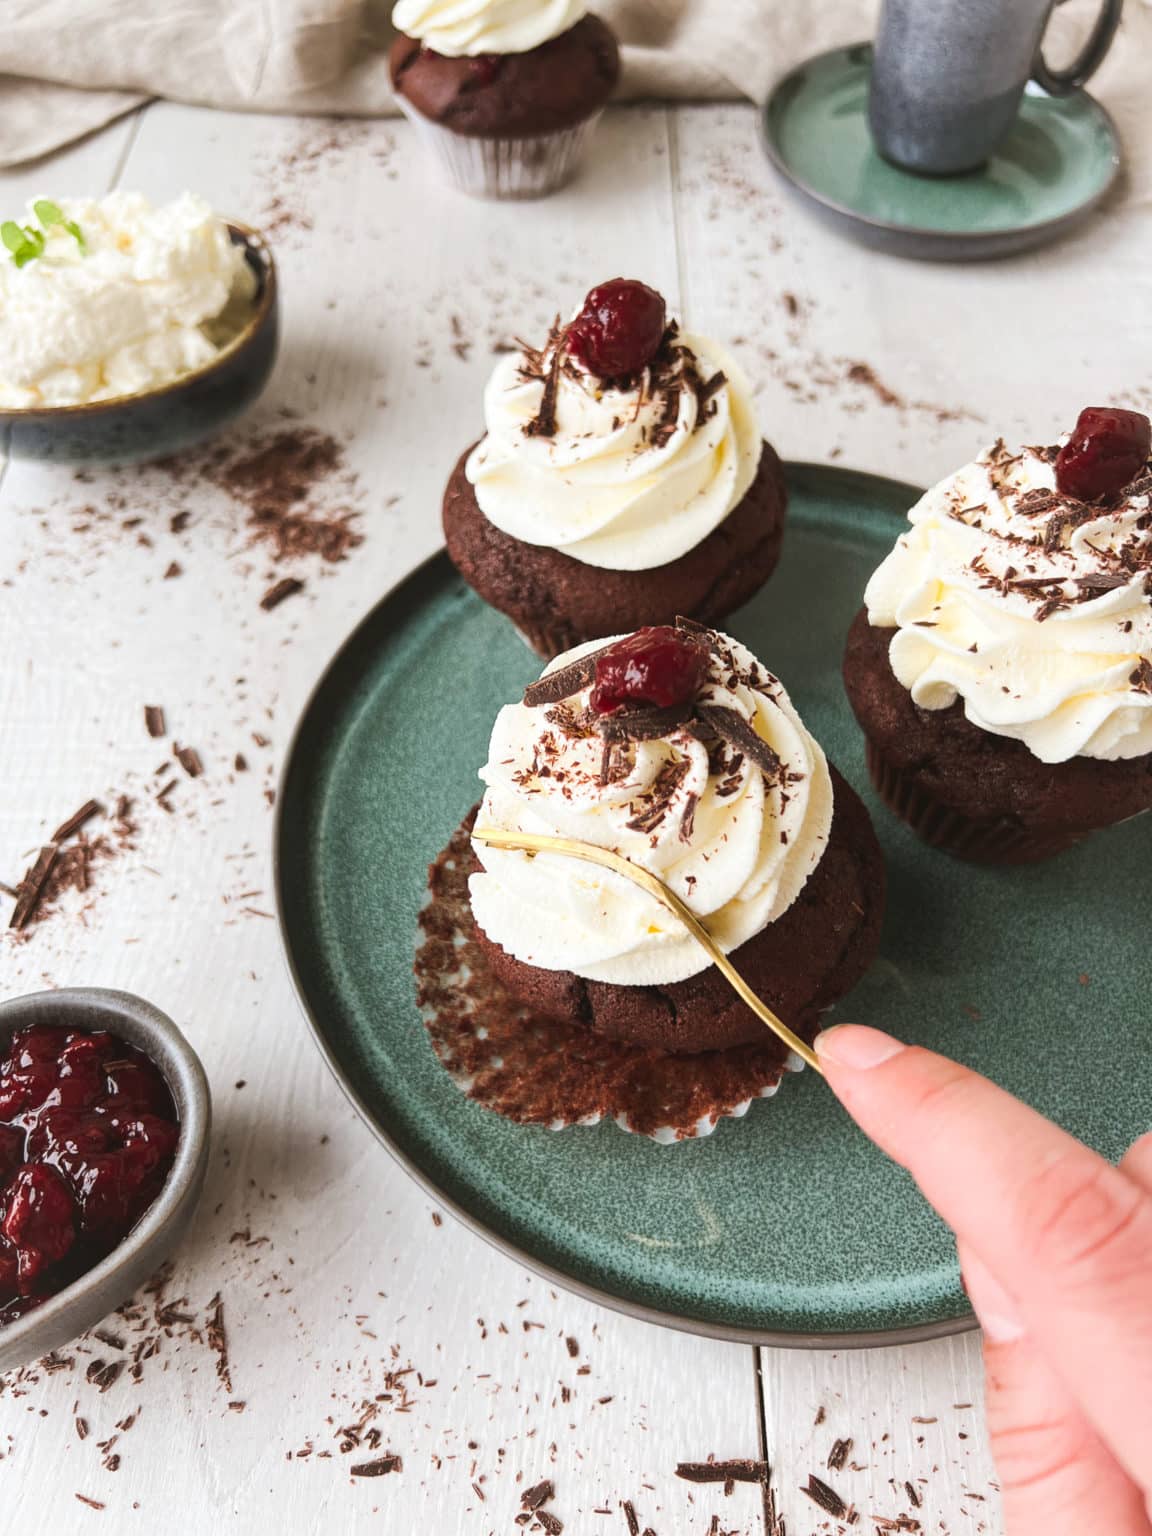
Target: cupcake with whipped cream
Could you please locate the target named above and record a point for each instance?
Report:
(676, 749)
(622, 479)
(1001, 668)
(104, 298)
(505, 92)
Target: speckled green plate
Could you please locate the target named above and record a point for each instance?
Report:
(785, 1226)
(1060, 159)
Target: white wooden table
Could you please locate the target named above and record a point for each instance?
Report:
(346, 1300)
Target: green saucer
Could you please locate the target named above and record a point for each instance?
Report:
(1056, 165)
(785, 1226)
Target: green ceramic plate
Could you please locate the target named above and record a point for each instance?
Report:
(1055, 166)
(785, 1226)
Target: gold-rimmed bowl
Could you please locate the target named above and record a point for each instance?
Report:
(155, 422)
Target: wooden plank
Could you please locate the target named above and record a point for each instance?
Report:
(914, 1419)
(900, 367)
(333, 1276)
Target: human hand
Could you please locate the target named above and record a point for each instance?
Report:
(1056, 1250)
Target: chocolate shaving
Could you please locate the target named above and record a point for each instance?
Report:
(643, 724)
(630, 1516)
(154, 722)
(31, 888)
(79, 818)
(538, 1494)
(378, 1468)
(838, 1455)
(827, 1498)
(287, 587)
(1141, 678)
(189, 760)
(742, 1471)
(549, 1522)
(543, 424)
(736, 732)
(1100, 582)
(556, 686)
(688, 819)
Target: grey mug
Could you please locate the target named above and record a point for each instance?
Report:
(948, 75)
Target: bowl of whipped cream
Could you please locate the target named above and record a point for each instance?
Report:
(129, 330)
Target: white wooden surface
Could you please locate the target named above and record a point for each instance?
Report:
(334, 1272)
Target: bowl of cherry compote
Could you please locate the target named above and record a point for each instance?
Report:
(103, 1144)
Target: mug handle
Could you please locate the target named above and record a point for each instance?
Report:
(1062, 82)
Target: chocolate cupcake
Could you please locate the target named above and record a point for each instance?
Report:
(505, 92)
(623, 479)
(1001, 669)
(677, 749)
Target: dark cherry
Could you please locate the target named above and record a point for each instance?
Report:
(619, 329)
(659, 666)
(1107, 450)
(88, 1132)
(39, 1221)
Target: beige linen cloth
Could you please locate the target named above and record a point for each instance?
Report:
(70, 66)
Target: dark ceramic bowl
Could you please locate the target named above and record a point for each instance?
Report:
(83, 1303)
(156, 422)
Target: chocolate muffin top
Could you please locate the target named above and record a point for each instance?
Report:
(487, 87)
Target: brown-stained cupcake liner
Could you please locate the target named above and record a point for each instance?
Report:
(556, 1073)
(545, 641)
(506, 168)
(999, 840)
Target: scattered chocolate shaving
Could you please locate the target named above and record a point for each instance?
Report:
(543, 424)
(288, 587)
(91, 1503)
(31, 887)
(914, 1496)
(838, 1455)
(1141, 678)
(572, 1346)
(827, 1498)
(217, 1337)
(643, 724)
(104, 1373)
(742, 1471)
(77, 820)
(378, 1468)
(549, 1522)
(630, 1516)
(189, 760)
(154, 722)
(538, 1494)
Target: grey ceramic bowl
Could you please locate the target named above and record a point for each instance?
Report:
(157, 422)
(94, 1295)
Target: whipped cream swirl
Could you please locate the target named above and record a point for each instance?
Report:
(1029, 605)
(464, 28)
(124, 316)
(624, 478)
(735, 843)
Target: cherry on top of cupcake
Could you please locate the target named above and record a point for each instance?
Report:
(619, 330)
(620, 334)
(1107, 450)
(650, 683)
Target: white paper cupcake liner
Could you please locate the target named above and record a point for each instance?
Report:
(503, 168)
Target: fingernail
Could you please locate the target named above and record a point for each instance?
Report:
(856, 1045)
(991, 1303)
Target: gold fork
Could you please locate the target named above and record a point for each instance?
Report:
(537, 842)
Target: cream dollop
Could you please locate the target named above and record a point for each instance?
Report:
(733, 845)
(1028, 605)
(125, 314)
(464, 28)
(629, 479)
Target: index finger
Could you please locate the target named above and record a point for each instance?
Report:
(1067, 1235)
